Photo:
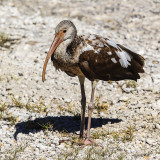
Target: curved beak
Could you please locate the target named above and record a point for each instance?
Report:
(58, 39)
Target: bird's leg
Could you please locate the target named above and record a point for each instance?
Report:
(90, 109)
(83, 105)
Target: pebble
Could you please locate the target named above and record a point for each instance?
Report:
(150, 141)
(41, 146)
(158, 126)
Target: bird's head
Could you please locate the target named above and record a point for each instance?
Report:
(65, 31)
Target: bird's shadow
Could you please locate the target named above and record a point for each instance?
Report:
(69, 124)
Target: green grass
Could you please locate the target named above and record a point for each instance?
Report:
(17, 102)
(39, 124)
(4, 115)
(99, 106)
(2, 107)
(8, 77)
(46, 126)
(34, 107)
(99, 133)
(1, 116)
(11, 119)
(93, 152)
(14, 153)
(124, 135)
(73, 139)
(131, 84)
(128, 134)
(120, 157)
(3, 39)
(70, 108)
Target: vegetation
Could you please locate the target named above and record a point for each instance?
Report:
(34, 107)
(3, 39)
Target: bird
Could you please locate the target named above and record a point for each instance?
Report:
(93, 57)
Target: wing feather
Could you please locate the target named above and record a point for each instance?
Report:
(106, 60)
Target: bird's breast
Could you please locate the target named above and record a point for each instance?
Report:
(72, 69)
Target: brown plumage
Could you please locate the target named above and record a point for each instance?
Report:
(93, 57)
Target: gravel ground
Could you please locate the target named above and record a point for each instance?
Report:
(36, 117)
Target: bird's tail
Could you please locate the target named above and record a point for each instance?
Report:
(137, 62)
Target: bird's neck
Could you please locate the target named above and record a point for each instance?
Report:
(66, 50)
(74, 44)
(61, 51)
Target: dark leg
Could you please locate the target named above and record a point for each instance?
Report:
(83, 105)
(90, 109)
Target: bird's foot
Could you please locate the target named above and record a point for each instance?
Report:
(86, 142)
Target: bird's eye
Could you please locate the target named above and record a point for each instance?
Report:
(64, 31)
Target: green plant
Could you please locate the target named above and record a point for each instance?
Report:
(120, 157)
(40, 123)
(1, 115)
(98, 134)
(2, 107)
(11, 119)
(70, 109)
(101, 107)
(46, 126)
(3, 39)
(128, 134)
(131, 84)
(17, 102)
(16, 151)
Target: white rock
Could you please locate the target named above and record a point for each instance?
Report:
(150, 141)
(41, 146)
(158, 126)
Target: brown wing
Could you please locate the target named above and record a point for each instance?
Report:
(113, 62)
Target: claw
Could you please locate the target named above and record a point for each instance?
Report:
(86, 142)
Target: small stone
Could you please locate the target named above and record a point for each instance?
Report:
(41, 147)
(36, 151)
(20, 74)
(158, 103)
(67, 100)
(123, 98)
(61, 146)
(158, 126)
(150, 141)
(56, 140)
